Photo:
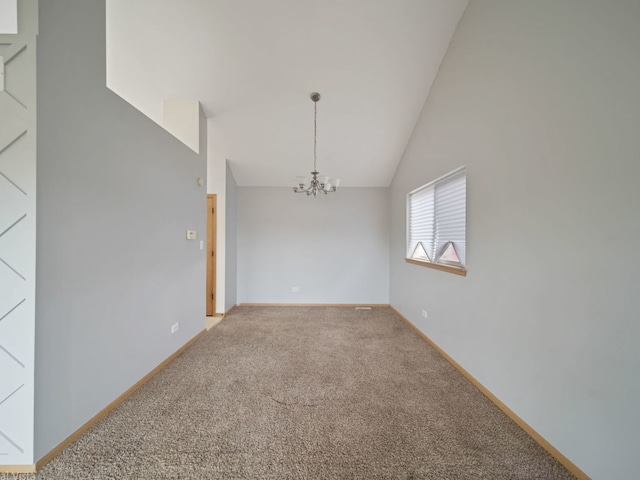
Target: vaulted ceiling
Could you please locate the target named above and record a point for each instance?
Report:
(253, 63)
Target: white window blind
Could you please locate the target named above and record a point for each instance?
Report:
(436, 220)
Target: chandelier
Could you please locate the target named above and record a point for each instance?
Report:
(315, 183)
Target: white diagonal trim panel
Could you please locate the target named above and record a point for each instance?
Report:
(18, 238)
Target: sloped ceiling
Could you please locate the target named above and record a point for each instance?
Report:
(253, 63)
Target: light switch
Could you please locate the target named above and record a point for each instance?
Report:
(191, 234)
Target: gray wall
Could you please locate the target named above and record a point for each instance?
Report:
(231, 251)
(335, 248)
(541, 101)
(116, 194)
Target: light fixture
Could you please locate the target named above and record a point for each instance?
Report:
(315, 184)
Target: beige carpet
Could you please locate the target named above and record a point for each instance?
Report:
(306, 393)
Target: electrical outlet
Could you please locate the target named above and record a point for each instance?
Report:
(424, 313)
(175, 327)
(295, 289)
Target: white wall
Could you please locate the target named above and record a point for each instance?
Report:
(18, 235)
(541, 101)
(8, 17)
(231, 263)
(334, 248)
(216, 184)
(181, 118)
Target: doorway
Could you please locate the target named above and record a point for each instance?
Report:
(211, 255)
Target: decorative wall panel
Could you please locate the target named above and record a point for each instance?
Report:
(17, 238)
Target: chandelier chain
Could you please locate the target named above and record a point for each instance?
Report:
(315, 134)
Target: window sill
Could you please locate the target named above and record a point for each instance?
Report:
(438, 266)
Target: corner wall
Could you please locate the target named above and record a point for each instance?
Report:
(231, 228)
(217, 184)
(116, 194)
(334, 248)
(540, 101)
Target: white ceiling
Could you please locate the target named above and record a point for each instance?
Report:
(253, 63)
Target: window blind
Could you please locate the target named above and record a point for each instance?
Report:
(437, 216)
(421, 221)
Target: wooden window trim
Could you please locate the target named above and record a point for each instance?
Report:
(438, 266)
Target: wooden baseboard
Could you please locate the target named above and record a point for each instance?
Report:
(17, 469)
(568, 464)
(102, 413)
(230, 310)
(352, 305)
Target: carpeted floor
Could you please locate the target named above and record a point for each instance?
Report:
(306, 393)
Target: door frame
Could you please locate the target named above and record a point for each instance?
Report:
(211, 255)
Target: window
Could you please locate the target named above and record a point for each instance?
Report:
(436, 223)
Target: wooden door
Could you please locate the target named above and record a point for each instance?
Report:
(211, 255)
